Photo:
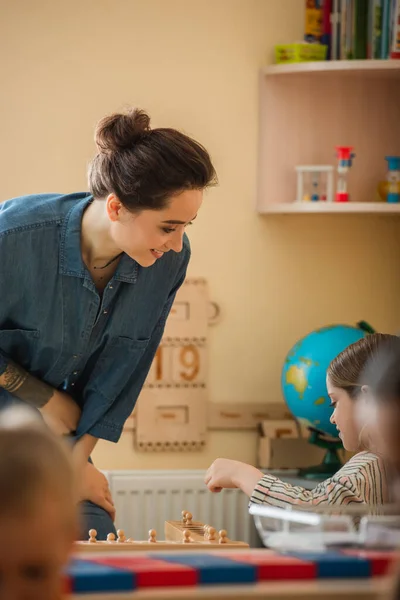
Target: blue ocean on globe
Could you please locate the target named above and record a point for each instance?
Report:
(304, 374)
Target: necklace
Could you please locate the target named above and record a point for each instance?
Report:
(109, 262)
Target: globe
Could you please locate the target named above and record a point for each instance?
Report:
(304, 381)
(304, 373)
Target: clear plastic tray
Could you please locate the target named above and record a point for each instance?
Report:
(323, 527)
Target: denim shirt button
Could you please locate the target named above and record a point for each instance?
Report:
(105, 312)
(75, 373)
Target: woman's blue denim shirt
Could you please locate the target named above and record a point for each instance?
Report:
(54, 323)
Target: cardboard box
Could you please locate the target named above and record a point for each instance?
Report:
(287, 453)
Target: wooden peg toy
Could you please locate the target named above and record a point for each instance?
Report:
(111, 537)
(211, 534)
(121, 536)
(222, 536)
(186, 536)
(189, 518)
(184, 513)
(92, 536)
(152, 535)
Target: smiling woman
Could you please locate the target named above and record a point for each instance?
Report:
(363, 479)
(90, 280)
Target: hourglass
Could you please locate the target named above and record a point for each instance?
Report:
(345, 157)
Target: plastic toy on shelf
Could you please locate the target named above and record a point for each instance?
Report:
(345, 157)
(314, 183)
(393, 179)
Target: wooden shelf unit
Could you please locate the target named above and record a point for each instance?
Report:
(306, 109)
(332, 208)
(389, 68)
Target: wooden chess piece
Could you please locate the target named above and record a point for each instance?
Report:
(186, 536)
(222, 536)
(121, 536)
(152, 536)
(189, 518)
(211, 534)
(111, 537)
(184, 513)
(92, 536)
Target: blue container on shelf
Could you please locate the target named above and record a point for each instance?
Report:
(393, 179)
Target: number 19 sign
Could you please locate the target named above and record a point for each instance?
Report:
(171, 412)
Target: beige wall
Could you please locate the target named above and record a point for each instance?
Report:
(193, 65)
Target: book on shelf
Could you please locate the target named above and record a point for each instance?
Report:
(314, 21)
(395, 41)
(354, 29)
(374, 29)
(326, 37)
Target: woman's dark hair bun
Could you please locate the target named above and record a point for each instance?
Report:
(145, 168)
(121, 131)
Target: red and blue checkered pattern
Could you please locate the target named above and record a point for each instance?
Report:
(131, 571)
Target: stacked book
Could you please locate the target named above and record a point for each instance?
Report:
(355, 29)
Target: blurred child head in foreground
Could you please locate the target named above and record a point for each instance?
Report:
(37, 507)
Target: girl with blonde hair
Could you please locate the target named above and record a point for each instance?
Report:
(363, 479)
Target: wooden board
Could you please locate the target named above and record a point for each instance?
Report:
(234, 415)
(195, 539)
(158, 546)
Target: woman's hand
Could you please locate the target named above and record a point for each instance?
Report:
(94, 487)
(61, 413)
(226, 473)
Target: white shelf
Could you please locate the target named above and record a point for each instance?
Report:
(380, 67)
(338, 208)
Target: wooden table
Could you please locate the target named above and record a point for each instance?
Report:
(371, 589)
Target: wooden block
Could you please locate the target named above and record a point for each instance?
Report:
(179, 362)
(284, 453)
(271, 566)
(149, 572)
(334, 565)
(228, 416)
(213, 569)
(380, 561)
(174, 533)
(280, 428)
(88, 577)
(245, 415)
(66, 586)
(171, 419)
(189, 316)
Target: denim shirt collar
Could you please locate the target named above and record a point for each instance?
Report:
(70, 257)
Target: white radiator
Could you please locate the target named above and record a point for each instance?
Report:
(145, 499)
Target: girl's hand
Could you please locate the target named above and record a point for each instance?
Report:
(226, 473)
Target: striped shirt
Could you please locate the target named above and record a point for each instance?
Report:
(362, 479)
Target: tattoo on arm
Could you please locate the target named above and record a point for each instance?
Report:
(24, 386)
